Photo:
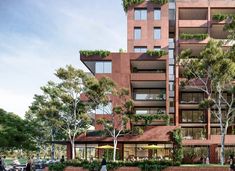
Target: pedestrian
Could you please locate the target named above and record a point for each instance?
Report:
(29, 165)
(3, 163)
(231, 163)
(103, 165)
(1, 166)
(62, 159)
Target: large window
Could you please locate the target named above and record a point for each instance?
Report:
(137, 33)
(140, 14)
(140, 49)
(193, 133)
(104, 109)
(157, 14)
(86, 152)
(157, 33)
(191, 97)
(149, 94)
(157, 48)
(192, 116)
(150, 110)
(103, 67)
(215, 131)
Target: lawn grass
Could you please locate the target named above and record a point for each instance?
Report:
(8, 161)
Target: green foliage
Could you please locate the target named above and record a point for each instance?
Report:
(16, 133)
(156, 53)
(148, 118)
(187, 36)
(137, 130)
(221, 17)
(56, 167)
(129, 3)
(101, 53)
(146, 165)
(205, 104)
(178, 147)
(161, 2)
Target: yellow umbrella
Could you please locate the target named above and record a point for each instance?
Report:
(152, 147)
(106, 147)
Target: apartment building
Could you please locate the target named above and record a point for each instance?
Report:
(154, 81)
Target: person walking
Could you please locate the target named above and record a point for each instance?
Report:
(231, 163)
(29, 165)
(1, 166)
(103, 165)
(62, 159)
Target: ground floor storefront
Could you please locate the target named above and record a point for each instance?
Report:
(125, 151)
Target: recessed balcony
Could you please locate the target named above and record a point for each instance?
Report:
(193, 14)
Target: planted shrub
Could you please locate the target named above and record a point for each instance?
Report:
(101, 53)
(128, 3)
(187, 36)
(148, 118)
(219, 17)
(157, 53)
(161, 2)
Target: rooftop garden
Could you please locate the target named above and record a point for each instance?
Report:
(129, 3)
(101, 53)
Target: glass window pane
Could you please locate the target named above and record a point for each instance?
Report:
(140, 14)
(157, 14)
(137, 33)
(138, 49)
(107, 67)
(157, 33)
(171, 54)
(99, 67)
(157, 48)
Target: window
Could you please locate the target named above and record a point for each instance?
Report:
(157, 14)
(157, 48)
(137, 33)
(149, 94)
(157, 33)
(192, 116)
(193, 133)
(191, 97)
(150, 111)
(101, 109)
(171, 70)
(171, 54)
(103, 67)
(140, 14)
(140, 49)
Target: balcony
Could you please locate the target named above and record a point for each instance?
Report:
(193, 23)
(148, 76)
(193, 14)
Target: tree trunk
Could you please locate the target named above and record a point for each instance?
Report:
(52, 144)
(115, 148)
(73, 149)
(222, 147)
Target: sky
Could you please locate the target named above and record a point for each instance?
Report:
(39, 36)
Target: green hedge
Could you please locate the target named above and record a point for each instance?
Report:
(157, 53)
(221, 17)
(187, 36)
(146, 165)
(101, 53)
(148, 118)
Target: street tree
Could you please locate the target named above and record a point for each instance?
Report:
(61, 106)
(101, 93)
(213, 72)
(16, 133)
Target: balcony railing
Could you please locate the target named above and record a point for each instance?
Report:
(149, 97)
